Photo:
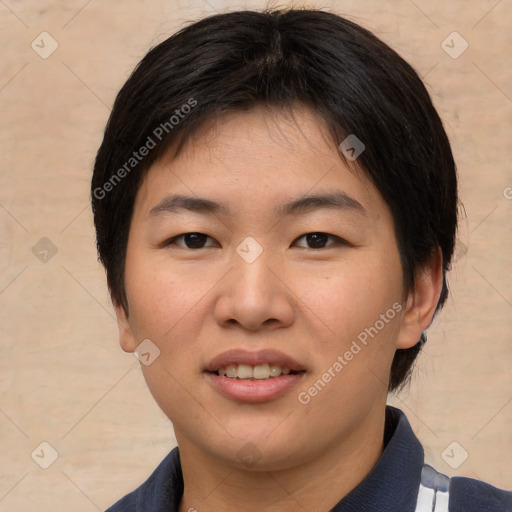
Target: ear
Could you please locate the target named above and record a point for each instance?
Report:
(422, 301)
(126, 338)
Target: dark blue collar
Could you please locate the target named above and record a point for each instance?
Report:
(392, 484)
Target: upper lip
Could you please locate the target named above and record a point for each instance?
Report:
(238, 356)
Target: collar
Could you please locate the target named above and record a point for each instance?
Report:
(394, 481)
(391, 485)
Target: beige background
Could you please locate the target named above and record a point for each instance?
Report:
(63, 377)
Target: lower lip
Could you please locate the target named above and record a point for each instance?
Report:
(254, 391)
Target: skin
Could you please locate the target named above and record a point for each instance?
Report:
(307, 302)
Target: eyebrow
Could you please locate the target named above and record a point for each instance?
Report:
(176, 203)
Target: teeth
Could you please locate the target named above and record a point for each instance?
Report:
(245, 371)
(259, 372)
(231, 371)
(275, 370)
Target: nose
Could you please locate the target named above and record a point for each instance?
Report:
(255, 295)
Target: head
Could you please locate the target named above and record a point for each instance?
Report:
(254, 110)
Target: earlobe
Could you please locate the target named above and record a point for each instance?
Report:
(126, 339)
(422, 301)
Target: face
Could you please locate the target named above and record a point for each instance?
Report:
(276, 317)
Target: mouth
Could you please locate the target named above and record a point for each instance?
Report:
(253, 377)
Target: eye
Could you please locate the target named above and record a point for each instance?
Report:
(192, 240)
(195, 240)
(318, 240)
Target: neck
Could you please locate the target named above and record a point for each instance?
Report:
(315, 485)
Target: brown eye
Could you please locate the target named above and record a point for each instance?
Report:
(191, 240)
(318, 240)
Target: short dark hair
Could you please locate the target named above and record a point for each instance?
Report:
(283, 59)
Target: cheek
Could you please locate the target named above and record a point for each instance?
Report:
(163, 305)
(169, 306)
(360, 303)
(159, 296)
(351, 296)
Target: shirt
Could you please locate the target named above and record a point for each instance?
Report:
(391, 486)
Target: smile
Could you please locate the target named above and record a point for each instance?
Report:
(258, 372)
(253, 376)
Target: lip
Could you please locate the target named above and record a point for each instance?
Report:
(237, 356)
(253, 391)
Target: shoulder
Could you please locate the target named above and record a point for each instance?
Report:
(459, 494)
(468, 494)
(156, 493)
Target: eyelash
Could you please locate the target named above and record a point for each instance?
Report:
(339, 241)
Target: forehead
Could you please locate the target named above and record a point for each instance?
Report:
(258, 159)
